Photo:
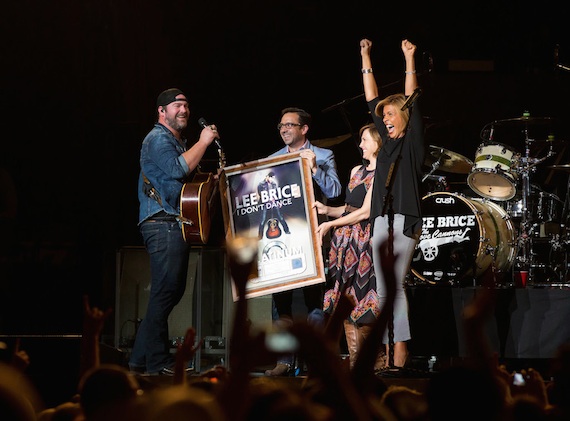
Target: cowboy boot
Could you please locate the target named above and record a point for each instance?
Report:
(351, 335)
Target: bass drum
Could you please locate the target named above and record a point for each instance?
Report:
(460, 237)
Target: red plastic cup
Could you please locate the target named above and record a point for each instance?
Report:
(524, 278)
(521, 277)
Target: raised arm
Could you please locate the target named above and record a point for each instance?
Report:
(93, 322)
(194, 155)
(368, 80)
(411, 80)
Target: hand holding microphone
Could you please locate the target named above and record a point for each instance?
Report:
(202, 122)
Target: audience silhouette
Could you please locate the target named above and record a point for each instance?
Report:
(478, 388)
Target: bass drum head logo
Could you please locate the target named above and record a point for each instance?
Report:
(449, 241)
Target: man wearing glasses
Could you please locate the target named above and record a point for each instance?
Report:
(293, 128)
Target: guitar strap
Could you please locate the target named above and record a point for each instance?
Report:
(149, 190)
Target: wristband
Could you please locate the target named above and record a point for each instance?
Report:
(410, 73)
(364, 71)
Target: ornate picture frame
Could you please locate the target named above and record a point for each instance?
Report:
(272, 199)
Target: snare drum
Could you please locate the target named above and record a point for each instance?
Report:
(461, 236)
(493, 174)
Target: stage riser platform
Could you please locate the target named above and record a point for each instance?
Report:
(528, 323)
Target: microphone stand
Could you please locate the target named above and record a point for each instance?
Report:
(389, 209)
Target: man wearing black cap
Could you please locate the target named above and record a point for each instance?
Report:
(166, 164)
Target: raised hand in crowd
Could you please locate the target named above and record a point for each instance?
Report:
(244, 348)
(328, 381)
(532, 384)
(93, 323)
(19, 399)
(184, 354)
(20, 358)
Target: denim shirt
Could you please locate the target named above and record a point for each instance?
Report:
(162, 162)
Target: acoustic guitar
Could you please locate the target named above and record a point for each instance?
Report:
(198, 204)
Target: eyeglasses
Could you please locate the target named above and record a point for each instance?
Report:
(288, 125)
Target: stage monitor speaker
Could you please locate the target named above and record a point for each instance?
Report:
(207, 279)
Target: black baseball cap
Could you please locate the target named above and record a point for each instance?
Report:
(168, 96)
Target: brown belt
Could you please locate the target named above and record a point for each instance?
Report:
(349, 208)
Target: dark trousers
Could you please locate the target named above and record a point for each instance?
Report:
(169, 255)
(313, 296)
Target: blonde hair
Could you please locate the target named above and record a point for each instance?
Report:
(397, 100)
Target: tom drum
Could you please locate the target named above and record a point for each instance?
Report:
(493, 173)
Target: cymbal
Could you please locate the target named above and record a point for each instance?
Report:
(551, 141)
(564, 167)
(448, 160)
(330, 141)
(525, 120)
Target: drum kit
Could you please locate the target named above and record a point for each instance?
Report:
(511, 226)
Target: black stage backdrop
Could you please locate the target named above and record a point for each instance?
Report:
(78, 83)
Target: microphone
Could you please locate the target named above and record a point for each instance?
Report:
(411, 99)
(202, 122)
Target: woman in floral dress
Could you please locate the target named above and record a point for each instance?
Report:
(350, 268)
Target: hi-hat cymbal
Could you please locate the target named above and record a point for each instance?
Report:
(524, 120)
(447, 160)
(564, 167)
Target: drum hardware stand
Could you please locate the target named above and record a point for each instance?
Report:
(561, 242)
(434, 166)
(474, 270)
(440, 182)
(389, 209)
(523, 261)
(491, 251)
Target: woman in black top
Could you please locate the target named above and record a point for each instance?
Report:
(396, 187)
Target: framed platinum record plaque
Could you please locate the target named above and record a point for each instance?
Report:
(272, 200)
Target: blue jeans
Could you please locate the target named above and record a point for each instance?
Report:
(169, 255)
